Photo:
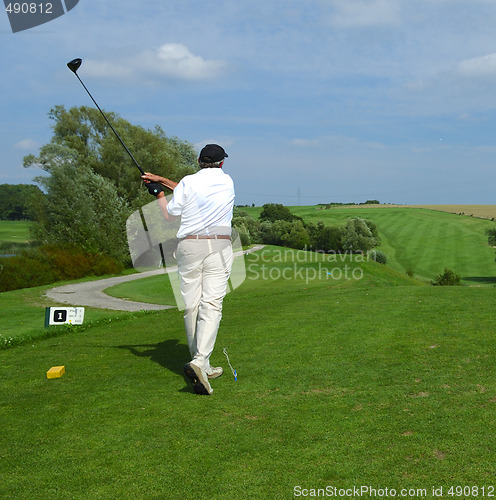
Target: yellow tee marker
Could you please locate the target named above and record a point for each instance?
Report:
(56, 372)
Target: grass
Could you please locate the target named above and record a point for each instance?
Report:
(14, 236)
(421, 240)
(22, 316)
(14, 231)
(380, 381)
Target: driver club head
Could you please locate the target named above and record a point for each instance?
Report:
(74, 64)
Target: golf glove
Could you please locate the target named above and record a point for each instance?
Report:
(154, 188)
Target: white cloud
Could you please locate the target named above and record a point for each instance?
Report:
(176, 59)
(363, 13)
(26, 145)
(478, 66)
(171, 60)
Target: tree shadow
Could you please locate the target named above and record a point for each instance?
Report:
(487, 280)
(170, 354)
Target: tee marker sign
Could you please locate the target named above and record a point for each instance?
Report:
(64, 316)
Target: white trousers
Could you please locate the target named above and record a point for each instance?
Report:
(204, 267)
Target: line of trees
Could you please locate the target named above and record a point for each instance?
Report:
(16, 199)
(276, 225)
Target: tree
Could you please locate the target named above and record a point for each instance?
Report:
(297, 237)
(274, 211)
(447, 278)
(360, 235)
(82, 208)
(93, 185)
(248, 227)
(491, 236)
(284, 233)
(325, 238)
(15, 199)
(81, 136)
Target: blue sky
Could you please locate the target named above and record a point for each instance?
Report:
(315, 101)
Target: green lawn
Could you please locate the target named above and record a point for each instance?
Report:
(14, 237)
(380, 381)
(14, 231)
(424, 241)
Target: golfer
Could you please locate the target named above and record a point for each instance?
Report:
(205, 202)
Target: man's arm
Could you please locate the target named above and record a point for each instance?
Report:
(162, 201)
(149, 177)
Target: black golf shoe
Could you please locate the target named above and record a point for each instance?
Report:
(199, 378)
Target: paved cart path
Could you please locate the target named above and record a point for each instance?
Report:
(92, 293)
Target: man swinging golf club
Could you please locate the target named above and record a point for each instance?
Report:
(205, 202)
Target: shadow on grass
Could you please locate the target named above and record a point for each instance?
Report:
(169, 354)
(484, 280)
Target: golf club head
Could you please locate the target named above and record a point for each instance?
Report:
(74, 64)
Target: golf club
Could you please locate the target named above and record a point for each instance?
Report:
(74, 66)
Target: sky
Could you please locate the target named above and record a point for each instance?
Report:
(315, 101)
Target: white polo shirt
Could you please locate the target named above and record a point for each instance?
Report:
(205, 202)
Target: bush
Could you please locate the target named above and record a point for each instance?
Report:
(297, 237)
(275, 211)
(90, 216)
(247, 227)
(447, 278)
(48, 264)
(360, 235)
(377, 256)
(24, 272)
(325, 238)
(491, 236)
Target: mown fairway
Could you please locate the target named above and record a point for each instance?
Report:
(379, 381)
(14, 231)
(421, 240)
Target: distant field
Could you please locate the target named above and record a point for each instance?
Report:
(484, 211)
(419, 239)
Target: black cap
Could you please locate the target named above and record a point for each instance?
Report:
(212, 153)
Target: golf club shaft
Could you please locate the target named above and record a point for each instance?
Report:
(110, 125)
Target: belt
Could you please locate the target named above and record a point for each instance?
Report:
(207, 237)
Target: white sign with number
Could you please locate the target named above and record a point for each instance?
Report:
(64, 316)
